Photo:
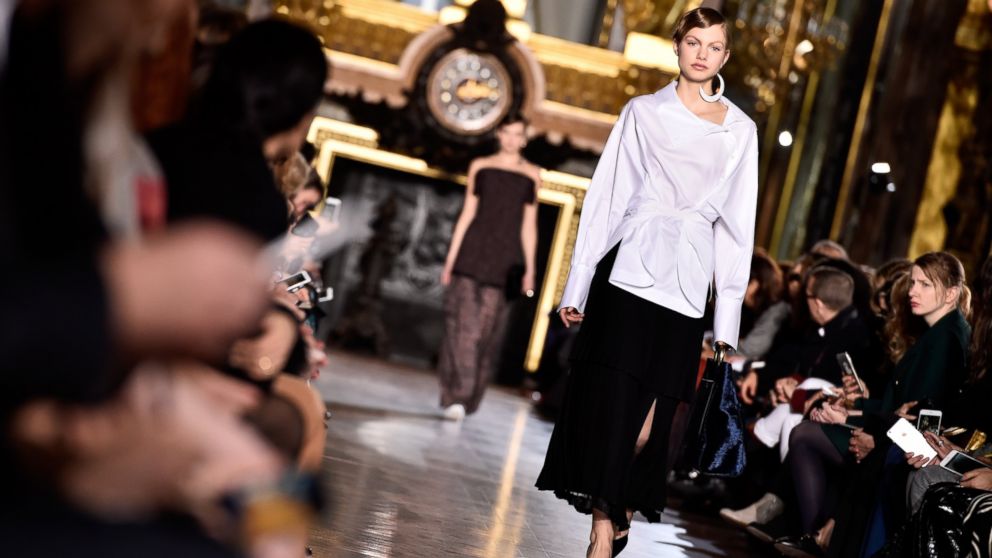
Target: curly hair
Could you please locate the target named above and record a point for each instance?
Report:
(902, 327)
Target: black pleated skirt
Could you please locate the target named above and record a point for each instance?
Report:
(629, 354)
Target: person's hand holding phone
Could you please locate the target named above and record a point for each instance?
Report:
(979, 478)
(853, 388)
(570, 316)
(834, 413)
(940, 444)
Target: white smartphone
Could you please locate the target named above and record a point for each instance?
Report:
(296, 282)
(960, 463)
(928, 420)
(910, 440)
(847, 367)
(332, 209)
(327, 295)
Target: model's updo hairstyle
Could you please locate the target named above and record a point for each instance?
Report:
(946, 272)
(700, 18)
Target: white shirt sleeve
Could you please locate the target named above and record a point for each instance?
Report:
(733, 243)
(618, 174)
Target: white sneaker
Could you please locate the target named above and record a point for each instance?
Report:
(767, 508)
(454, 412)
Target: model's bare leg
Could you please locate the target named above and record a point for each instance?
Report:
(601, 536)
(642, 440)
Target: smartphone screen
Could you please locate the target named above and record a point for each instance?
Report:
(928, 422)
(961, 463)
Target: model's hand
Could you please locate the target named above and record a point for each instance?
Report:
(527, 284)
(749, 387)
(570, 316)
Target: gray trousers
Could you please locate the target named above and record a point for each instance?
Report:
(921, 480)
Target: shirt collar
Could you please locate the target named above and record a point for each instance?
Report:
(682, 125)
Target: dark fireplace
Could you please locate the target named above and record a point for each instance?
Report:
(388, 297)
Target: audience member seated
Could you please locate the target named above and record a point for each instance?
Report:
(812, 365)
(930, 368)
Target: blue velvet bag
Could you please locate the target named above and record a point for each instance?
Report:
(714, 436)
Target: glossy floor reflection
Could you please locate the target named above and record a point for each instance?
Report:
(403, 483)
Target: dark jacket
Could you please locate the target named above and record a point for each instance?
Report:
(932, 368)
(816, 355)
(217, 172)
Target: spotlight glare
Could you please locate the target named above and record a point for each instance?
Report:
(881, 167)
(785, 139)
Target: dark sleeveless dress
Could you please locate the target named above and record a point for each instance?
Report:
(492, 243)
(475, 299)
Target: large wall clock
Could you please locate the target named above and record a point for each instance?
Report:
(469, 92)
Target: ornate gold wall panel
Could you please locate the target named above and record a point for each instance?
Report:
(956, 128)
(367, 41)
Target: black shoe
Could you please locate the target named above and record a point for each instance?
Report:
(619, 544)
(800, 547)
(768, 533)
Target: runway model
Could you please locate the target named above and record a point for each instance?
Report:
(492, 251)
(669, 213)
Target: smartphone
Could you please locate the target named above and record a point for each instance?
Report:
(960, 463)
(296, 282)
(327, 295)
(332, 209)
(847, 367)
(928, 420)
(909, 439)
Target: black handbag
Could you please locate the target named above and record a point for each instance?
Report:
(714, 436)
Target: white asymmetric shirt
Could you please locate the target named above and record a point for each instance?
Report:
(679, 194)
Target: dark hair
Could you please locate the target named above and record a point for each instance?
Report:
(513, 118)
(266, 79)
(829, 249)
(767, 273)
(831, 286)
(946, 272)
(981, 332)
(902, 327)
(700, 18)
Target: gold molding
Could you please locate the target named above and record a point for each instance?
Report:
(859, 126)
(376, 33)
(335, 139)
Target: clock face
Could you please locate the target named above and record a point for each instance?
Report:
(469, 92)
